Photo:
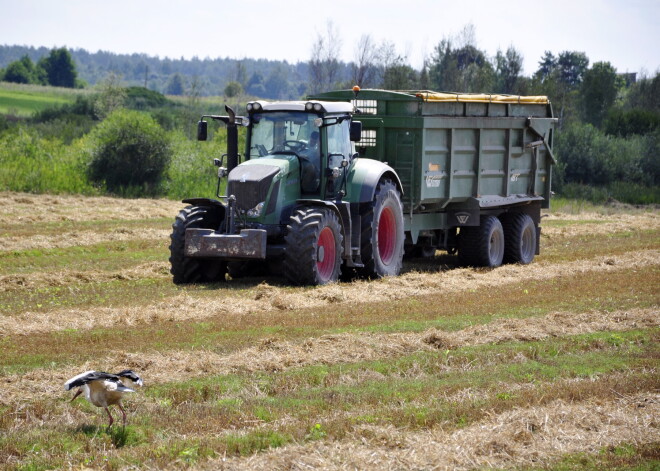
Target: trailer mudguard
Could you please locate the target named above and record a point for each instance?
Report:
(363, 177)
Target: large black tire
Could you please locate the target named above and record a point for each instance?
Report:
(314, 246)
(482, 246)
(520, 239)
(382, 237)
(192, 269)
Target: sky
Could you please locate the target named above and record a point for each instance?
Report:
(624, 32)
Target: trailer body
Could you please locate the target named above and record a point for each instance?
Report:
(458, 156)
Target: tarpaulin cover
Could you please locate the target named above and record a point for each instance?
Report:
(480, 98)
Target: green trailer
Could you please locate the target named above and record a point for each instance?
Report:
(467, 163)
(345, 183)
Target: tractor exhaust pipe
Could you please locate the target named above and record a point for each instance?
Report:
(232, 140)
(232, 122)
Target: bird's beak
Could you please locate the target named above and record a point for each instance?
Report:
(76, 395)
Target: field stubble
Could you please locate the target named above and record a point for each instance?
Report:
(331, 352)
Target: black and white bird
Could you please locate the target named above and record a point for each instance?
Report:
(104, 389)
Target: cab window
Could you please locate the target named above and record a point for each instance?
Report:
(339, 144)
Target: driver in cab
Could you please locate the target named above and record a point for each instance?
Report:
(310, 160)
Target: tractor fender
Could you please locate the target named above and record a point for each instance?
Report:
(363, 179)
(323, 204)
(343, 212)
(218, 206)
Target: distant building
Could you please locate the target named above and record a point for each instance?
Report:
(629, 78)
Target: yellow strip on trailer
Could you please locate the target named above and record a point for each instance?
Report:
(480, 98)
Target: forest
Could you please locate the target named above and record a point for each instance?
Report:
(607, 142)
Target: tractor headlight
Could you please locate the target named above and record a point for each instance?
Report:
(256, 211)
(311, 106)
(253, 106)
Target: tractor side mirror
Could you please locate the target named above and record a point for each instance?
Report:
(202, 130)
(356, 131)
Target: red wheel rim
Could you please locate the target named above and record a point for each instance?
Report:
(326, 254)
(386, 235)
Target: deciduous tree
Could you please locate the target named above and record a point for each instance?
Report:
(598, 91)
(20, 71)
(508, 66)
(324, 61)
(365, 67)
(59, 68)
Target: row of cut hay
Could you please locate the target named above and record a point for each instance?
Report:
(533, 436)
(273, 355)
(268, 298)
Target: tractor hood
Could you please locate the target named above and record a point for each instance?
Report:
(258, 181)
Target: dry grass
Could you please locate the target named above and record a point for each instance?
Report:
(571, 225)
(274, 355)
(185, 307)
(533, 362)
(525, 436)
(23, 208)
(63, 278)
(81, 238)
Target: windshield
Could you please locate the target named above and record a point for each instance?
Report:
(281, 132)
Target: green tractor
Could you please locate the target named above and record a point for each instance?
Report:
(301, 204)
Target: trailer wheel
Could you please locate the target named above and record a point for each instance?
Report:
(314, 245)
(382, 236)
(483, 245)
(191, 269)
(520, 239)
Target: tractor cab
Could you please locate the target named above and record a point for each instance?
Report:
(315, 136)
(301, 202)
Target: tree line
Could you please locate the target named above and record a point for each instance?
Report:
(57, 68)
(609, 122)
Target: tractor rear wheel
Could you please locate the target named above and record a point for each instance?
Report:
(192, 269)
(314, 246)
(520, 239)
(483, 245)
(382, 236)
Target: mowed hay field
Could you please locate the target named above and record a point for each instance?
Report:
(553, 365)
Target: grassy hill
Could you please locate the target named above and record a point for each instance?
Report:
(23, 100)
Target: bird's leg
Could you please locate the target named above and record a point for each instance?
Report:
(76, 395)
(123, 412)
(109, 415)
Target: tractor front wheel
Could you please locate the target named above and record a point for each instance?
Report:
(314, 246)
(192, 269)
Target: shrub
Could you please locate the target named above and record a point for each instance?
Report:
(191, 172)
(589, 156)
(625, 123)
(140, 98)
(129, 149)
(233, 89)
(31, 163)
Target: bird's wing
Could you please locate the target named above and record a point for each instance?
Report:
(114, 385)
(131, 375)
(87, 377)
